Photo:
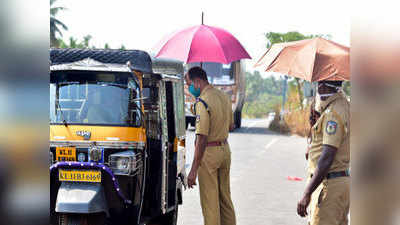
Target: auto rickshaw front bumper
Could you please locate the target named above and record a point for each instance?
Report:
(81, 198)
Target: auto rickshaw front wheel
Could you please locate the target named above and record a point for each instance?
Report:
(82, 219)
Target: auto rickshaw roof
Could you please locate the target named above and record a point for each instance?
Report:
(113, 60)
(167, 66)
(110, 58)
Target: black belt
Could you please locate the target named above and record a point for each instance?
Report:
(331, 175)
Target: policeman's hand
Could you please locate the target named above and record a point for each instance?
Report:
(303, 204)
(192, 178)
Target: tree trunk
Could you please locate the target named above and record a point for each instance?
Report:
(300, 94)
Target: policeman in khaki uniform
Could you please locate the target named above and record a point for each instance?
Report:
(328, 159)
(212, 160)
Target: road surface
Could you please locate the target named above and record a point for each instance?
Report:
(261, 163)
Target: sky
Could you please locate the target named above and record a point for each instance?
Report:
(142, 24)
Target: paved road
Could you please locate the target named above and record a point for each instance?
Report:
(261, 162)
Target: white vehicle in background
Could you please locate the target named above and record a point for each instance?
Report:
(229, 78)
(271, 115)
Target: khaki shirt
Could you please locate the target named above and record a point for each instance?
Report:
(332, 128)
(215, 122)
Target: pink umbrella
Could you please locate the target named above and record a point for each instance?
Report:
(201, 43)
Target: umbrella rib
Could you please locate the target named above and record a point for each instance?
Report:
(273, 62)
(313, 64)
(259, 60)
(191, 42)
(215, 37)
(172, 37)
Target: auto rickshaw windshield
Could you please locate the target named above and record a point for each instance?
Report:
(98, 98)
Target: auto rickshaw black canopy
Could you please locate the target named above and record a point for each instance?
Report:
(138, 60)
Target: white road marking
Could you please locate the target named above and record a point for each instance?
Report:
(271, 143)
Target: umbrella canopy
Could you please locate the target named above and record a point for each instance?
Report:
(201, 43)
(311, 59)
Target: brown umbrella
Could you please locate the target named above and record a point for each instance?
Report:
(311, 59)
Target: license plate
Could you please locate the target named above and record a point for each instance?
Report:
(79, 175)
(66, 154)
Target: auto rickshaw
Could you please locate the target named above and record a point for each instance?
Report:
(117, 137)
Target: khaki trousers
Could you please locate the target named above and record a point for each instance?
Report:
(214, 184)
(330, 202)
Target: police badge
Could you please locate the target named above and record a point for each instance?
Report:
(331, 127)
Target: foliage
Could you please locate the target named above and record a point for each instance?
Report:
(262, 94)
(85, 43)
(297, 118)
(73, 42)
(56, 26)
(274, 37)
(295, 121)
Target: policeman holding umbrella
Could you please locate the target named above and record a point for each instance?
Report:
(327, 191)
(214, 116)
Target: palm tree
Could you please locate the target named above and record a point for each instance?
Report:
(55, 24)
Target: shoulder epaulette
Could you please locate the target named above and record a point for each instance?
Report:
(203, 102)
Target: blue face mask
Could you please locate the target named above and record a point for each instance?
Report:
(195, 92)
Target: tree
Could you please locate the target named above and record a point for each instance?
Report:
(73, 43)
(85, 43)
(55, 24)
(274, 37)
(262, 95)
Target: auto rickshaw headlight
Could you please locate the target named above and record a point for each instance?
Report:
(123, 163)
